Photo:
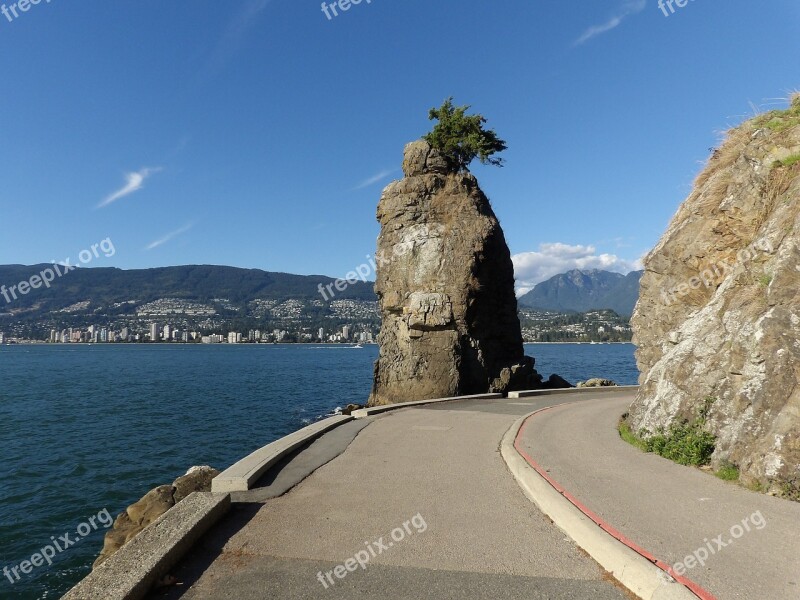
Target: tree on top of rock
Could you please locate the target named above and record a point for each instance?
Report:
(461, 138)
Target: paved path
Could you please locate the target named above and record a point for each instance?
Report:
(670, 510)
(431, 477)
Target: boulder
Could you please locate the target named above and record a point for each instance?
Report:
(596, 382)
(197, 479)
(151, 506)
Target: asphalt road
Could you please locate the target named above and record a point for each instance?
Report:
(431, 477)
(670, 510)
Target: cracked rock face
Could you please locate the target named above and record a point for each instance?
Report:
(445, 284)
(719, 309)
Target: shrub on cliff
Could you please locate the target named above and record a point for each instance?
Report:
(686, 442)
(461, 138)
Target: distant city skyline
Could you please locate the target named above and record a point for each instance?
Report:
(169, 334)
(259, 134)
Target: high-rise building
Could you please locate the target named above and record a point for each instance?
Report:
(346, 332)
(167, 333)
(154, 329)
(321, 334)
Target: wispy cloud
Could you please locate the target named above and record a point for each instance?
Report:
(133, 183)
(170, 236)
(375, 179)
(628, 8)
(242, 20)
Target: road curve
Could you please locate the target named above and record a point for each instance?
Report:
(674, 512)
(482, 537)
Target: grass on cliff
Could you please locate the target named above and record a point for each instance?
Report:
(685, 442)
(791, 161)
(790, 490)
(627, 434)
(781, 120)
(728, 472)
(737, 139)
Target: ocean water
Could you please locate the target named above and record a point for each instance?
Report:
(88, 429)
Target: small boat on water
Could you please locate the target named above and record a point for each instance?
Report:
(357, 346)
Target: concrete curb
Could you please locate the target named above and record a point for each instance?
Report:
(640, 575)
(376, 410)
(243, 474)
(532, 393)
(138, 565)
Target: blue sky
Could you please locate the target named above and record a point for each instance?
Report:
(259, 133)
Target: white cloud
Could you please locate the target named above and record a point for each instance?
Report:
(531, 268)
(628, 8)
(169, 236)
(133, 182)
(375, 179)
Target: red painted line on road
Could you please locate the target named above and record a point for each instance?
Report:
(693, 587)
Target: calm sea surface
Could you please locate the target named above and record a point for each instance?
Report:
(87, 428)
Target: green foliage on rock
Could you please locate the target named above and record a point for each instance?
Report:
(791, 161)
(781, 120)
(627, 434)
(685, 442)
(461, 138)
(728, 472)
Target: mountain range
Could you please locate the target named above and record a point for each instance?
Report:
(582, 291)
(576, 290)
(104, 286)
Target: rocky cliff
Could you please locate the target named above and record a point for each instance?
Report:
(718, 320)
(445, 285)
